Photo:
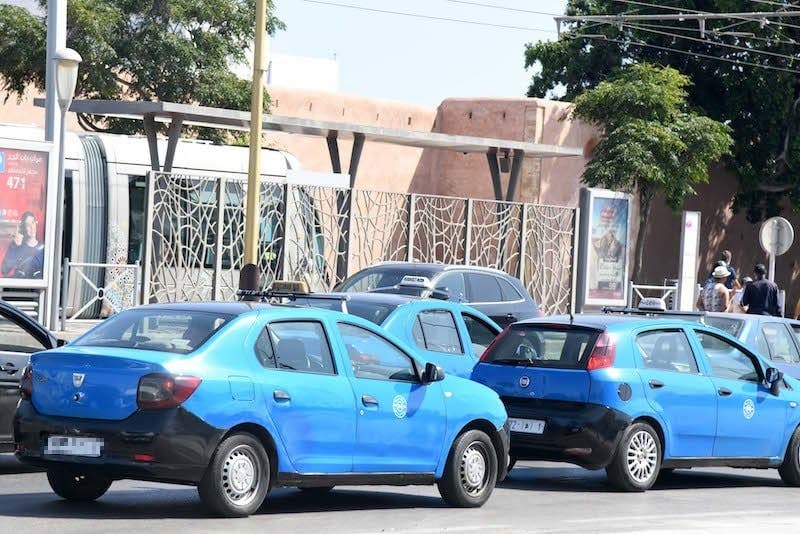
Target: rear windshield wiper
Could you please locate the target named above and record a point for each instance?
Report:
(511, 361)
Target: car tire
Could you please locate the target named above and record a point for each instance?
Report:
(316, 490)
(637, 461)
(790, 468)
(237, 480)
(74, 485)
(471, 471)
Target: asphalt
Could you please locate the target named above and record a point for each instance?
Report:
(537, 497)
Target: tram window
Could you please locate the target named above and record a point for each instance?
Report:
(136, 190)
(68, 203)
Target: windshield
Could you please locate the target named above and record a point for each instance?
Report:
(175, 331)
(540, 346)
(384, 276)
(727, 324)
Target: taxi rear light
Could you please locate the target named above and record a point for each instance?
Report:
(494, 342)
(26, 383)
(603, 353)
(142, 457)
(161, 391)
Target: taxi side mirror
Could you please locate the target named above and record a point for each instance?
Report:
(432, 373)
(773, 378)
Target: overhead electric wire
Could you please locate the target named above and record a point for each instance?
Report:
(698, 12)
(684, 52)
(504, 8)
(430, 17)
(715, 43)
(719, 33)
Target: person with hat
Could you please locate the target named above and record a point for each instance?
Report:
(761, 297)
(715, 296)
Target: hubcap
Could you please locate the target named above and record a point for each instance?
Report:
(240, 475)
(474, 474)
(642, 456)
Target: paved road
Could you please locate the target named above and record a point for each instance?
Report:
(538, 497)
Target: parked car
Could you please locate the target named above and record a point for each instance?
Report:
(495, 293)
(238, 398)
(776, 338)
(448, 334)
(635, 396)
(20, 336)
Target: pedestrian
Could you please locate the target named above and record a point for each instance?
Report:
(715, 297)
(736, 295)
(761, 297)
(726, 257)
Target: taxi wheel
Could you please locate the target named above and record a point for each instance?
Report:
(790, 468)
(637, 460)
(77, 486)
(236, 481)
(471, 471)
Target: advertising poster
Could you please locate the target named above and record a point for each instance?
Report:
(607, 247)
(23, 208)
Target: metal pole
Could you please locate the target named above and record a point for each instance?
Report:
(254, 168)
(64, 291)
(57, 252)
(56, 38)
(771, 274)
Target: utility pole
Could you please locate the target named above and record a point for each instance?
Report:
(249, 277)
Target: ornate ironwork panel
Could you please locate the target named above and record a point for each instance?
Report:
(549, 235)
(439, 229)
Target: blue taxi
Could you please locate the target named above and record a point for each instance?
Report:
(638, 395)
(237, 398)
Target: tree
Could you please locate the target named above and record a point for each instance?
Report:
(650, 143)
(170, 50)
(760, 101)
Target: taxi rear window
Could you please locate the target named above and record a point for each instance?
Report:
(542, 346)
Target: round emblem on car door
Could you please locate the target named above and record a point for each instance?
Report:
(748, 409)
(524, 381)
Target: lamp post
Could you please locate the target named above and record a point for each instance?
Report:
(67, 61)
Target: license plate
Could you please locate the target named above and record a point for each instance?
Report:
(527, 426)
(74, 446)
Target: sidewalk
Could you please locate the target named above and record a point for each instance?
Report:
(74, 329)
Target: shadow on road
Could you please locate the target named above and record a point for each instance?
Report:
(568, 478)
(183, 503)
(9, 465)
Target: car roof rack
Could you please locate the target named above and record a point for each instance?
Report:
(288, 289)
(639, 311)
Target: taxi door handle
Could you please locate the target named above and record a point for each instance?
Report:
(724, 392)
(655, 384)
(9, 368)
(369, 400)
(280, 395)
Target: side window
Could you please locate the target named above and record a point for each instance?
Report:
(436, 330)
(727, 360)
(668, 350)
(14, 339)
(761, 345)
(483, 288)
(453, 283)
(480, 334)
(781, 345)
(508, 291)
(796, 332)
(373, 357)
(296, 346)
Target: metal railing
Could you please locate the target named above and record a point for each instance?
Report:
(665, 292)
(121, 289)
(195, 228)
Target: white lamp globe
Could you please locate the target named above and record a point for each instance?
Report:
(67, 61)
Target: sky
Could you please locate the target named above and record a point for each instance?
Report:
(421, 61)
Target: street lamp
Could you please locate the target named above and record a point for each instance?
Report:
(67, 61)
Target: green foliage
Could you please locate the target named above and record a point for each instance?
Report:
(170, 50)
(757, 103)
(650, 143)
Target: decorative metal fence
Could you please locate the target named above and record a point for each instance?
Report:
(195, 237)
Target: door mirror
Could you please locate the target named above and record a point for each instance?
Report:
(61, 342)
(432, 373)
(773, 377)
(440, 293)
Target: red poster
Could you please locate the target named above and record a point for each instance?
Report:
(23, 203)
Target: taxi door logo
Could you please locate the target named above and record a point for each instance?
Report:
(399, 406)
(748, 409)
(77, 379)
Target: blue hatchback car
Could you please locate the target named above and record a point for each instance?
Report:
(635, 396)
(237, 398)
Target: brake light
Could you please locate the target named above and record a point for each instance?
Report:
(160, 391)
(494, 342)
(603, 353)
(26, 383)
